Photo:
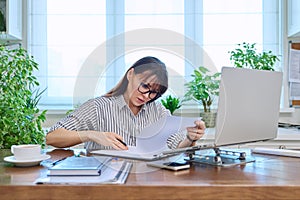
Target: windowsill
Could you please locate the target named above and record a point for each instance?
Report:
(193, 109)
(287, 110)
(283, 134)
(187, 109)
(287, 137)
(56, 110)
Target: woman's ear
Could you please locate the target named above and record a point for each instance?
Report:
(130, 74)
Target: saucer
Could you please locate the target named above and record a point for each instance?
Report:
(26, 163)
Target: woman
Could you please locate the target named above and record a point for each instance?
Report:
(120, 115)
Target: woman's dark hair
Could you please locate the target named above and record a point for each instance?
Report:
(152, 66)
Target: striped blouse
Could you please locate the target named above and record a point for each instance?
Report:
(112, 114)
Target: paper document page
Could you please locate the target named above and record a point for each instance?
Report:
(295, 91)
(152, 140)
(294, 74)
(294, 66)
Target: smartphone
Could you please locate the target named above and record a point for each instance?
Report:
(175, 166)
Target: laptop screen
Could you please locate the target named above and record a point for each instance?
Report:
(249, 103)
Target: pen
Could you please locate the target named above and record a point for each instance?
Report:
(120, 171)
(57, 161)
(122, 142)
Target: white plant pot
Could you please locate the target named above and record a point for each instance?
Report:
(209, 118)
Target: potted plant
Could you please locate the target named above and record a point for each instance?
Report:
(21, 120)
(203, 88)
(171, 103)
(246, 56)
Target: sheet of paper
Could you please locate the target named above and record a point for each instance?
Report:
(295, 91)
(294, 66)
(153, 139)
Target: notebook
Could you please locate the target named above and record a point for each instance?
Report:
(248, 108)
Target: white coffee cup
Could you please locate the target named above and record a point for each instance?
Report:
(26, 151)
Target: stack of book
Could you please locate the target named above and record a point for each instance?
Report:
(75, 170)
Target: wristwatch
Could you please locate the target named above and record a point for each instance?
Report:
(190, 139)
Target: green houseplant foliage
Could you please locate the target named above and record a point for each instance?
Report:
(171, 103)
(246, 56)
(203, 87)
(20, 119)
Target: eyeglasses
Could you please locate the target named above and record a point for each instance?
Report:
(144, 89)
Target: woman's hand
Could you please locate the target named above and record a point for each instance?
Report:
(196, 132)
(193, 134)
(103, 138)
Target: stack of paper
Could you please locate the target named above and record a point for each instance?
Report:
(152, 141)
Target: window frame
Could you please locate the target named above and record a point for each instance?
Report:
(192, 31)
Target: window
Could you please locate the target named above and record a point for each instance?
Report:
(83, 47)
(63, 33)
(155, 16)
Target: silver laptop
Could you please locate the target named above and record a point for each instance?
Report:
(248, 107)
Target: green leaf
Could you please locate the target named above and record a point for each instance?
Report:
(21, 121)
(203, 87)
(171, 103)
(247, 56)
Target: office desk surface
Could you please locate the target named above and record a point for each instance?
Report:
(270, 177)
